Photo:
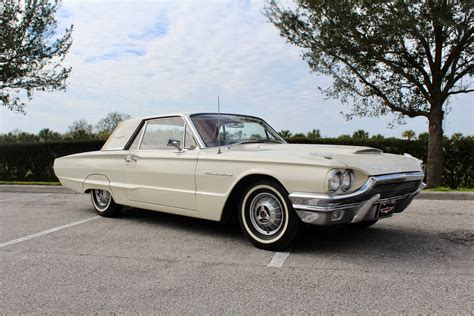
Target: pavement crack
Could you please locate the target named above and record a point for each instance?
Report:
(463, 237)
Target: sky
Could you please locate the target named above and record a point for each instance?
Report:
(154, 57)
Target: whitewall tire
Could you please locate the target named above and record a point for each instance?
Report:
(104, 204)
(266, 216)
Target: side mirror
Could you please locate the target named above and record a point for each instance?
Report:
(174, 143)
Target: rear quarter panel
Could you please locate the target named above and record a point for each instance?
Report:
(98, 169)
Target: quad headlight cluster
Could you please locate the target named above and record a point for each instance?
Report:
(340, 180)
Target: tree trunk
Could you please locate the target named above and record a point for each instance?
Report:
(435, 149)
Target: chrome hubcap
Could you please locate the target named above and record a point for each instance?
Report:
(102, 197)
(266, 213)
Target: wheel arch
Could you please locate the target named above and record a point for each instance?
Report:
(96, 181)
(231, 205)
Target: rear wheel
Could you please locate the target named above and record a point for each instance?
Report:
(104, 204)
(266, 216)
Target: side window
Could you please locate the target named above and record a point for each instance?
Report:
(159, 131)
(189, 142)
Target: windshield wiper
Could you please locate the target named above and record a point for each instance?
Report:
(256, 141)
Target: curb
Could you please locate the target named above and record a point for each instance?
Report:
(64, 190)
(446, 196)
(36, 189)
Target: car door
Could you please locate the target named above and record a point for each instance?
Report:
(158, 173)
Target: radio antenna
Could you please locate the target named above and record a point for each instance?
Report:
(218, 125)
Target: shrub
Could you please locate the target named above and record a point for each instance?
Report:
(459, 154)
(34, 161)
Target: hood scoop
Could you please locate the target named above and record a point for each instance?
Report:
(369, 151)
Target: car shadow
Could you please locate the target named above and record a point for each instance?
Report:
(189, 224)
(382, 243)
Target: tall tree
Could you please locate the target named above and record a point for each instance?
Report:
(47, 135)
(285, 134)
(31, 51)
(107, 125)
(377, 137)
(400, 57)
(314, 133)
(409, 134)
(80, 130)
(360, 134)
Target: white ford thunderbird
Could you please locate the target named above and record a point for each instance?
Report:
(221, 167)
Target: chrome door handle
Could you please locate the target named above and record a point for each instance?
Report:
(130, 158)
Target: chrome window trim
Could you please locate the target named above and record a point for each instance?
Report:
(183, 139)
(158, 118)
(187, 125)
(141, 136)
(201, 142)
(193, 131)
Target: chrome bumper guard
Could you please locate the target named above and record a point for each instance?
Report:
(360, 205)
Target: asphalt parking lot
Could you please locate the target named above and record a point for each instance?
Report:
(58, 256)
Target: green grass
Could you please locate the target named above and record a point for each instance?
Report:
(446, 189)
(30, 183)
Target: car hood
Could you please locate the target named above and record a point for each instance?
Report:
(369, 160)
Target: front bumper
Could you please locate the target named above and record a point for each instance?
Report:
(361, 205)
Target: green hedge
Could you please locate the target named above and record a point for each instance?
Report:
(33, 161)
(459, 154)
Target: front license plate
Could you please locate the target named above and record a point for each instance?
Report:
(386, 208)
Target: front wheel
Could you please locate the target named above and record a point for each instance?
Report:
(266, 216)
(104, 204)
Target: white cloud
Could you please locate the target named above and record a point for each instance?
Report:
(153, 57)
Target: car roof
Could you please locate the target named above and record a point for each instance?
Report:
(127, 128)
(187, 114)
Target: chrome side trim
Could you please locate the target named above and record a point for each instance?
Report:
(397, 177)
(316, 208)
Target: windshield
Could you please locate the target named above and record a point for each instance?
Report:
(233, 129)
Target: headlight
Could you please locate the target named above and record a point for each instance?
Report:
(340, 180)
(347, 179)
(335, 181)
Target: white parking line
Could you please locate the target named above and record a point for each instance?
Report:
(279, 259)
(45, 232)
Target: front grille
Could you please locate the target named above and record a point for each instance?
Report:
(388, 190)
